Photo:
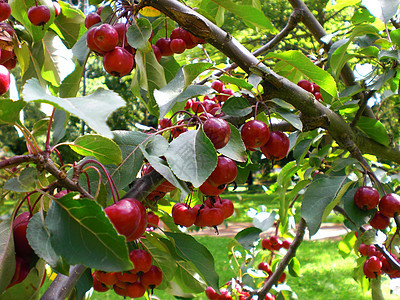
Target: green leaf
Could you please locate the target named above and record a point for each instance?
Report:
(235, 149)
(70, 25)
(294, 267)
(339, 4)
(339, 195)
(7, 254)
(170, 66)
(239, 82)
(247, 237)
(395, 36)
(94, 109)
(39, 239)
(192, 71)
(290, 118)
(300, 62)
(29, 288)
(60, 121)
(341, 163)
(71, 84)
(161, 167)
(82, 234)
(19, 9)
(374, 129)
(317, 197)
(191, 250)
(9, 110)
(128, 142)
(105, 150)
(192, 157)
(81, 50)
(186, 277)
(138, 33)
(382, 9)
(346, 245)
(373, 236)
(248, 13)
(84, 284)
(148, 77)
(25, 182)
(237, 107)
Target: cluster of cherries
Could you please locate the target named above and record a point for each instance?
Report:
(38, 15)
(312, 88)
(225, 294)
(367, 198)
(212, 213)
(377, 264)
(178, 42)
(132, 283)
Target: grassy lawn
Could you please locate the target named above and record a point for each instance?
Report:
(325, 274)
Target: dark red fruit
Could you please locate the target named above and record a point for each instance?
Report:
(5, 11)
(39, 15)
(91, 43)
(118, 62)
(157, 52)
(141, 260)
(177, 46)
(152, 278)
(266, 244)
(379, 221)
(276, 243)
(265, 267)
(128, 276)
(218, 131)
(277, 146)
(366, 197)
(91, 19)
(22, 247)
(227, 208)
(318, 96)
(255, 134)
(389, 205)
(306, 85)
(135, 290)
(164, 123)
(286, 244)
(363, 249)
(373, 264)
(183, 215)
(211, 293)
(226, 94)
(105, 37)
(152, 220)
(5, 80)
(99, 286)
(121, 29)
(209, 190)
(11, 63)
(21, 271)
(212, 216)
(224, 172)
(218, 86)
(164, 45)
(120, 289)
(129, 218)
(107, 278)
(180, 33)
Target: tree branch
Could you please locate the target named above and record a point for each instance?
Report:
(273, 279)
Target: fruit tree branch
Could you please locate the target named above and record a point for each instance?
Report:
(273, 279)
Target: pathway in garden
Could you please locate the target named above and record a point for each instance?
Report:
(330, 231)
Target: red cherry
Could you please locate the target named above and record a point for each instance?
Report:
(11, 63)
(277, 146)
(226, 94)
(316, 87)
(389, 205)
(118, 62)
(318, 96)
(22, 247)
(21, 271)
(282, 278)
(108, 278)
(211, 293)
(91, 19)
(379, 221)
(373, 264)
(265, 267)
(180, 33)
(276, 243)
(127, 277)
(227, 208)
(209, 190)
(255, 134)
(212, 216)
(177, 131)
(218, 131)
(157, 52)
(218, 86)
(224, 172)
(152, 278)
(164, 123)
(152, 219)
(164, 45)
(183, 215)
(98, 286)
(135, 290)
(121, 29)
(266, 244)
(372, 251)
(129, 218)
(39, 15)
(141, 260)
(91, 44)
(306, 85)
(366, 197)
(177, 46)
(286, 244)
(105, 37)
(363, 249)
(5, 80)
(120, 289)
(5, 11)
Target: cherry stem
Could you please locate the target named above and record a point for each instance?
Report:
(36, 202)
(376, 180)
(22, 202)
(88, 180)
(181, 112)
(59, 156)
(110, 180)
(255, 110)
(268, 113)
(99, 185)
(47, 147)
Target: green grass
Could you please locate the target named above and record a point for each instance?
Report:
(325, 275)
